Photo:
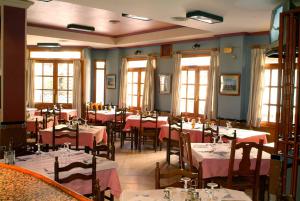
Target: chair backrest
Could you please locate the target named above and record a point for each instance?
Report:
(102, 150)
(151, 118)
(120, 117)
(65, 132)
(38, 125)
(230, 137)
(175, 125)
(208, 131)
(177, 174)
(245, 164)
(185, 150)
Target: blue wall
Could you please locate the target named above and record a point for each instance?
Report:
(232, 107)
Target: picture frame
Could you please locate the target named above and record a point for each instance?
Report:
(164, 83)
(110, 81)
(230, 84)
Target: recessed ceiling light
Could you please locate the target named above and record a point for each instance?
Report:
(48, 45)
(135, 17)
(114, 21)
(204, 17)
(179, 18)
(45, 0)
(79, 27)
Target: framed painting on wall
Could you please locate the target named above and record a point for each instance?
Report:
(111, 81)
(230, 84)
(164, 84)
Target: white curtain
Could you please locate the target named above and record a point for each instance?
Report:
(176, 85)
(148, 98)
(77, 87)
(256, 87)
(211, 105)
(123, 83)
(30, 83)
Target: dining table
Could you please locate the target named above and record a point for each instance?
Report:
(134, 121)
(86, 135)
(66, 114)
(104, 115)
(242, 135)
(180, 194)
(31, 111)
(106, 170)
(30, 123)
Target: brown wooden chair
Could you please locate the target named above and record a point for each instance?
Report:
(175, 175)
(65, 132)
(208, 131)
(95, 183)
(102, 150)
(245, 177)
(185, 151)
(33, 138)
(175, 127)
(91, 116)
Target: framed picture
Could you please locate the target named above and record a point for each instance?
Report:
(111, 81)
(164, 84)
(230, 84)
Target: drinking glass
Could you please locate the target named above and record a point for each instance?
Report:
(212, 186)
(220, 139)
(185, 180)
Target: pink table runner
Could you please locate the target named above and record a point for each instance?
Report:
(86, 135)
(134, 121)
(65, 113)
(196, 133)
(215, 159)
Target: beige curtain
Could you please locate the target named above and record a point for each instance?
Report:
(123, 83)
(256, 87)
(30, 83)
(211, 105)
(176, 85)
(77, 87)
(148, 97)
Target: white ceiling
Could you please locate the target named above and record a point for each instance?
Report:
(239, 16)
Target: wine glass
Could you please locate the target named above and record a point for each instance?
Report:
(185, 180)
(215, 137)
(220, 139)
(212, 186)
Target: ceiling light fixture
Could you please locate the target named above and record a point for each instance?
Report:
(135, 17)
(114, 21)
(48, 45)
(45, 0)
(79, 27)
(204, 17)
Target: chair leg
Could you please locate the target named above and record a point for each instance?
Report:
(131, 140)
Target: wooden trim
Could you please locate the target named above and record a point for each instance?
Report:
(195, 55)
(136, 58)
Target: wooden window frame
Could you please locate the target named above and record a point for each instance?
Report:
(95, 77)
(139, 71)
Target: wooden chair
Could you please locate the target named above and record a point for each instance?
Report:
(185, 151)
(102, 150)
(245, 177)
(148, 132)
(32, 138)
(175, 127)
(208, 131)
(70, 134)
(95, 183)
(91, 116)
(48, 117)
(175, 175)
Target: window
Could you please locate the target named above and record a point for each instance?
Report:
(55, 55)
(53, 82)
(135, 82)
(99, 81)
(194, 78)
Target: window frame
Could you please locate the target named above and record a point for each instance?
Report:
(95, 81)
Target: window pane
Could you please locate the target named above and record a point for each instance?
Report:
(183, 76)
(135, 77)
(274, 81)
(202, 92)
(48, 69)
(294, 112)
(129, 77)
(142, 77)
(100, 64)
(38, 82)
(183, 91)
(190, 106)
(191, 91)
(48, 82)
(38, 69)
(191, 77)
(38, 96)
(267, 77)
(137, 64)
(203, 77)
(195, 61)
(128, 101)
(182, 105)
(296, 75)
(134, 101)
(100, 86)
(129, 88)
(201, 107)
(266, 95)
(62, 97)
(135, 89)
(264, 113)
(63, 83)
(142, 89)
(273, 98)
(273, 113)
(62, 69)
(55, 55)
(141, 100)
(70, 87)
(70, 96)
(294, 102)
(71, 69)
(48, 96)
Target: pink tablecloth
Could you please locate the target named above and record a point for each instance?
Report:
(134, 121)
(30, 123)
(196, 133)
(215, 163)
(86, 136)
(104, 115)
(65, 113)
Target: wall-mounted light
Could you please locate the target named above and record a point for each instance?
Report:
(229, 50)
(79, 27)
(48, 45)
(196, 46)
(135, 17)
(204, 17)
(138, 52)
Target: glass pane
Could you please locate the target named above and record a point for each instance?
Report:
(294, 102)
(264, 113)
(100, 86)
(141, 100)
(191, 91)
(129, 88)
(38, 82)
(48, 96)
(70, 95)
(128, 101)
(273, 113)
(62, 69)
(100, 64)
(203, 77)
(137, 64)
(48, 82)
(142, 77)
(182, 105)
(274, 81)
(183, 91)
(134, 101)
(129, 77)
(58, 55)
(183, 76)
(71, 69)
(267, 77)
(296, 75)
(266, 95)
(135, 89)
(48, 69)
(190, 106)
(273, 98)
(38, 69)
(191, 77)
(201, 107)
(202, 92)
(294, 112)
(196, 61)
(135, 77)
(70, 87)
(63, 83)
(142, 89)
(38, 96)
(62, 97)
